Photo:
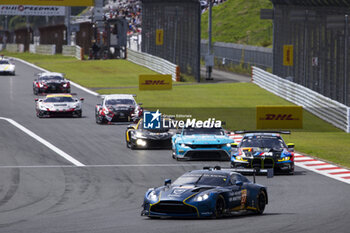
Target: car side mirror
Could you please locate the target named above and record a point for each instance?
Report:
(290, 146)
(36, 99)
(82, 99)
(234, 145)
(239, 182)
(140, 104)
(167, 182)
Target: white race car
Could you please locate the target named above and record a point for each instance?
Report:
(59, 105)
(6, 66)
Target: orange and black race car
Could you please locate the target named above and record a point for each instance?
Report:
(138, 137)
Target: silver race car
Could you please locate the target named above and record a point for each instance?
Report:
(58, 105)
(6, 66)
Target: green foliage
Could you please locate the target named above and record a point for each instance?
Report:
(238, 21)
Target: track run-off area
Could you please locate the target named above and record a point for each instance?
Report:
(73, 175)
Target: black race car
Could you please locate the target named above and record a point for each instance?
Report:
(117, 108)
(51, 82)
(137, 136)
(264, 149)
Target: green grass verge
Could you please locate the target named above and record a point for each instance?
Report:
(238, 21)
(91, 74)
(233, 103)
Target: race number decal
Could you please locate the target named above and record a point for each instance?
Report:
(243, 198)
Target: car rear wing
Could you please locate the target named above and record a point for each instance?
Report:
(104, 96)
(262, 131)
(246, 171)
(45, 94)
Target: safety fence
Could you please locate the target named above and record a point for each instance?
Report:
(226, 54)
(157, 64)
(46, 49)
(323, 107)
(15, 48)
(75, 51)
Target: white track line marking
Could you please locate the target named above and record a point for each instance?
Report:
(43, 141)
(43, 70)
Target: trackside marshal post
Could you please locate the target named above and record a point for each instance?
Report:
(155, 82)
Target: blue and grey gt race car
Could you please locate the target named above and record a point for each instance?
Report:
(211, 192)
(201, 144)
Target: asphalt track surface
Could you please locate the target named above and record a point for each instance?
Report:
(42, 192)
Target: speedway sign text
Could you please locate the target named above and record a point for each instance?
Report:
(32, 10)
(49, 2)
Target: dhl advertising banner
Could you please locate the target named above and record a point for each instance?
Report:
(49, 2)
(279, 117)
(155, 82)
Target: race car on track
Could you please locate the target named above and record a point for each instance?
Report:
(117, 108)
(201, 144)
(264, 149)
(6, 66)
(51, 82)
(137, 136)
(58, 105)
(211, 192)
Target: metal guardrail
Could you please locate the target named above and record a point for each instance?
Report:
(157, 64)
(75, 51)
(228, 53)
(323, 107)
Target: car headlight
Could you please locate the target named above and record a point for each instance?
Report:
(152, 196)
(139, 135)
(241, 158)
(284, 159)
(43, 107)
(228, 144)
(141, 142)
(202, 197)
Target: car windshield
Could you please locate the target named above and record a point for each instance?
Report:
(51, 78)
(201, 179)
(120, 101)
(263, 142)
(4, 62)
(59, 99)
(210, 131)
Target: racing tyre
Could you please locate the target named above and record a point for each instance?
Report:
(39, 114)
(98, 120)
(219, 207)
(261, 202)
(79, 114)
